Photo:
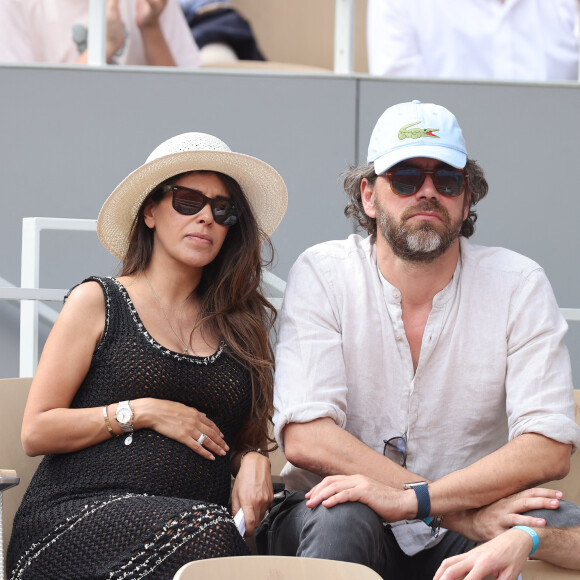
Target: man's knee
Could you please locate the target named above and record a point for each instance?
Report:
(351, 532)
(567, 515)
(348, 518)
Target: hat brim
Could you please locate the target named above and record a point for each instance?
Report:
(262, 185)
(453, 157)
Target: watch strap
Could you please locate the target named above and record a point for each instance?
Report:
(126, 426)
(423, 501)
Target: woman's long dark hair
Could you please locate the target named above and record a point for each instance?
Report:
(233, 307)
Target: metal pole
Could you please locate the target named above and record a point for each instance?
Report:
(29, 278)
(344, 37)
(97, 33)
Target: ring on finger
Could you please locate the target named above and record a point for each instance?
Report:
(201, 438)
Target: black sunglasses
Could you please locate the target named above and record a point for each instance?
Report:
(396, 449)
(191, 201)
(448, 181)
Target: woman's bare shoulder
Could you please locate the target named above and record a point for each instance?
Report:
(89, 294)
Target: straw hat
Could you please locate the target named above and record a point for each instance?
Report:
(261, 184)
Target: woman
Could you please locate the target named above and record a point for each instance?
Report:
(155, 386)
(138, 32)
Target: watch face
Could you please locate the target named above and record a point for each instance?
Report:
(124, 415)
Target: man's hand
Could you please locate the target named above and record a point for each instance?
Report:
(388, 502)
(489, 521)
(502, 557)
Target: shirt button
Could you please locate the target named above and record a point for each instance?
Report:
(396, 294)
(398, 337)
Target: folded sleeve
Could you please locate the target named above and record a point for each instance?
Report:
(310, 379)
(539, 388)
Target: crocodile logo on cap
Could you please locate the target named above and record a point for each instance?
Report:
(406, 133)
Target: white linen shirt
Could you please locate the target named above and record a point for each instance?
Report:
(532, 40)
(55, 31)
(493, 364)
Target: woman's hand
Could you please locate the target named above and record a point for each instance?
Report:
(148, 19)
(253, 490)
(502, 557)
(182, 423)
(149, 12)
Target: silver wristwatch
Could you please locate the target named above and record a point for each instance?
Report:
(124, 416)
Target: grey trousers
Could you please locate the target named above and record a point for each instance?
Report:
(352, 532)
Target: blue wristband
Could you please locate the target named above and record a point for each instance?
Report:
(533, 535)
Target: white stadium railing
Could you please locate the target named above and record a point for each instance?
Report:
(30, 294)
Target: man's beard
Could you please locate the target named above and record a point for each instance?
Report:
(421, 241)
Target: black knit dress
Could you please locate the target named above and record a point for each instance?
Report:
(145, 509)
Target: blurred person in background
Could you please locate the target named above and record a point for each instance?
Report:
(139, 32)
(221, 33)
(527, 40)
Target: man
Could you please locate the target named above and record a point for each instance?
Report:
(471, 39)
(425, 375)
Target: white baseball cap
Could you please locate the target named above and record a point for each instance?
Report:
(416, 129)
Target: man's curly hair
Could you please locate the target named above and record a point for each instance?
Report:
(477, 188)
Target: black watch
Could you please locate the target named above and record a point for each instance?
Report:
(424, 506)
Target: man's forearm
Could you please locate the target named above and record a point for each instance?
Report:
(559, 546)
(524, 462)
(324, 448)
